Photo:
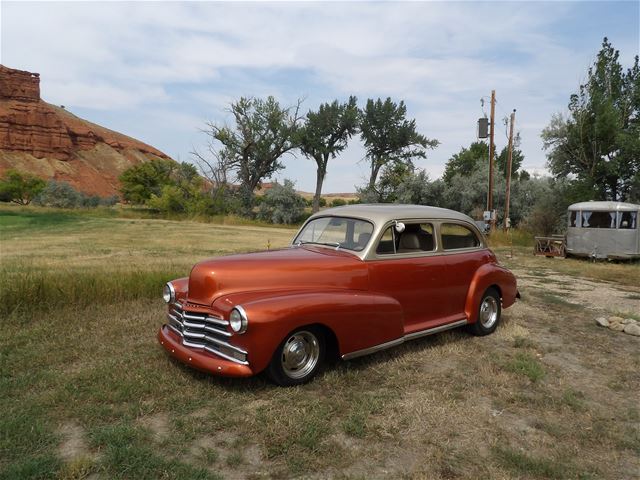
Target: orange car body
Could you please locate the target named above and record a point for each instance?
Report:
(364, 301)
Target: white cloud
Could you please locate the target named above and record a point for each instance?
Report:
(193, 58)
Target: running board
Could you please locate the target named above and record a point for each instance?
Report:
(401, 340)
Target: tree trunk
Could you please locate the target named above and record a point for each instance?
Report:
(319, 180)
(375, 169)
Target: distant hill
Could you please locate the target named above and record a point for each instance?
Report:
(51, 142)
(309, 195)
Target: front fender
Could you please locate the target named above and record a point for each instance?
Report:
(358, 319)
(486, 276)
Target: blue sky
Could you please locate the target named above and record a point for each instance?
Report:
(158, 71)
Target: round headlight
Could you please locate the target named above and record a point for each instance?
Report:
(168, 293)
(238, 320)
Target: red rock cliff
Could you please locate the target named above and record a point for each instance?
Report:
(51, 142)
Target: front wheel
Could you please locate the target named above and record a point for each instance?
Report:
(488, 313)
(298, 358)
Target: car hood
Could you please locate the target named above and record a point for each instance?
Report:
(297, 268)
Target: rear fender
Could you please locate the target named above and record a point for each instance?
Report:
(486, 276)
(358, 319)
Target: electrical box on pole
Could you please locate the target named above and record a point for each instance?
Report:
(483, 127)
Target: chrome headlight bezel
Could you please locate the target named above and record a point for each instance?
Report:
(169, 293)
(238, 320)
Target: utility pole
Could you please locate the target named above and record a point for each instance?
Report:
(491, 153)
(509, 161)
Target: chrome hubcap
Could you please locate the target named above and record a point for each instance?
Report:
(489, 312)
(300, 354)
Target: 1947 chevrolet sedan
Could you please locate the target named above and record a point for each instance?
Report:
(355, 280)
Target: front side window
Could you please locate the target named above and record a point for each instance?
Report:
(455, 236)
(349, 233)
(386, 245)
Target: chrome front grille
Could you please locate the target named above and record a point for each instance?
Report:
(204, 332)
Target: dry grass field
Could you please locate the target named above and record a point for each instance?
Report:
(86, 392)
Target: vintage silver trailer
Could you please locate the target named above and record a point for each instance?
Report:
(604, 230)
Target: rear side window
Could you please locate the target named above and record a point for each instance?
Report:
(416, 238)
(455, 236)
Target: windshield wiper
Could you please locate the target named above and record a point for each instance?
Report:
(328, 244)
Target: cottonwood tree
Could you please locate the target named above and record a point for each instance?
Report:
(598, 142)
(20, 187)
(140, 182)
(466, 160)
(325, 134)
(217, 167)
(389, 137)
(252, 148)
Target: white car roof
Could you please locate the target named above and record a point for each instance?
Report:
(381, 213)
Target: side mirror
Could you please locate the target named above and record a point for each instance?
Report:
(400, 227)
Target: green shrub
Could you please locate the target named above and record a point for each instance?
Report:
(60, 195)
(281, 204)
(338, 202)
(20, 187)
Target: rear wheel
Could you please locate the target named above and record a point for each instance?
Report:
(298, 358)
(489, 312)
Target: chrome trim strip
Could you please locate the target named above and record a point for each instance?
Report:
(227, 357)
(216, 321)
(375, 348)
(431, 331)
(217, 331)
(189, 334)
(187, 343)
(224, 344)
(398, 341)
(191, 316)
(214, 351)
(192, 325)
(174, 329)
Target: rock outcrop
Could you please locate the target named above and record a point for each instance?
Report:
(51, 142)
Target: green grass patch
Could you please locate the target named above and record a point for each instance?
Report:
(523, 342)
(361, 408)
(527, 365)
(25, 290)
(22, 222)
(530, 466)
(34, 467)
(574, 399)
(127, 452)
(515, 237)
(635, 316)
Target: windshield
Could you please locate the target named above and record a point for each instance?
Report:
(339, 232)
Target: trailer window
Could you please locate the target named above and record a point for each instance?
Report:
(599, 219)
(627, 220)
(574, 219)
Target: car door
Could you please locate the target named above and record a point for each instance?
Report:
(407, 267)
(464, 254)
